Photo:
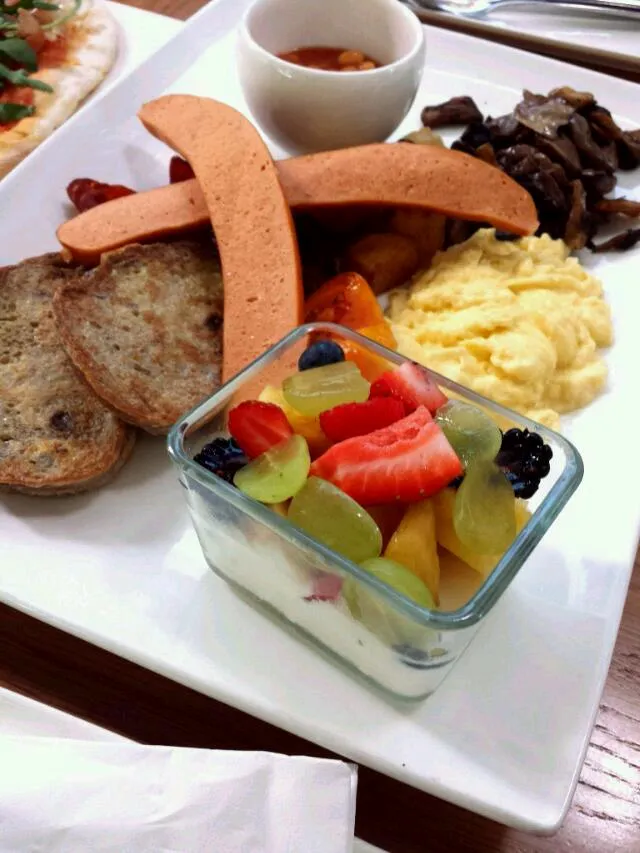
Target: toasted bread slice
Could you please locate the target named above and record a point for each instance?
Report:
(56, 436)
(145, 329)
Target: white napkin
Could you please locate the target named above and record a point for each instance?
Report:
(60, 795)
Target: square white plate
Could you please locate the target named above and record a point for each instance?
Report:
(505, 734)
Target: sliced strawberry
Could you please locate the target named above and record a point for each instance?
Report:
(407, 461)
(352, 419)
(326, 587)
(257, 426)
(412, 384)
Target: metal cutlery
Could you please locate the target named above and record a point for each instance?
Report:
(477, 8)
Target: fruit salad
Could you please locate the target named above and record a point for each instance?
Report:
(380, 502)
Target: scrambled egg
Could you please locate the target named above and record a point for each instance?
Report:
(518, 321)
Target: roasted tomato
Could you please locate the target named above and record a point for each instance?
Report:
(370, 365)
(348, 300)
(345, 299)
(84, 193)
(380, 333)
(179, 170)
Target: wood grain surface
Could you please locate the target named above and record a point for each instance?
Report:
(72, 675)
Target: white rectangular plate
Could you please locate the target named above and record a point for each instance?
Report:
(141, 34)
(505, 734)
(132, 49)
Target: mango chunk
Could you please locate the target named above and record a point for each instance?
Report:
(280, 509)
(414, 544)
(388, 518)
(308, 427)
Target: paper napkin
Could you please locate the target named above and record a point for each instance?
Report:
(60, 795)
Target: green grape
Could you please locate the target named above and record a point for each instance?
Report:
(333, 518)
(469, 430)
(388, 624)
(484, 511)
(311, 392)
(278, 474)
(402, 579)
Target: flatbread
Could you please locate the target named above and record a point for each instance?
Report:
(91, 42)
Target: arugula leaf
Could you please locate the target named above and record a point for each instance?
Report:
(9, 14)
(14, 112)
(21, 78)
(19, 51)
(64, 17)
(6, 9)
(21, 4)
(7, 25)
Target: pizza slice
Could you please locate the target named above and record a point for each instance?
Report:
(52, 55)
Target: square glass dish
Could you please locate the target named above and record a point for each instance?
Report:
(402, 647)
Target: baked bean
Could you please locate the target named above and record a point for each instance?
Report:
(330, 59)
(350, 57)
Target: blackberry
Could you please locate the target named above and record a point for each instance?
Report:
(411, 656)
(222, 457)
(517, 439)
(525, 459)
(522, 488)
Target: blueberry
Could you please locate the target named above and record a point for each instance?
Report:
(319, 354)
(222, 457)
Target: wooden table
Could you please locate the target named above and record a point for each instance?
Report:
(58, 669)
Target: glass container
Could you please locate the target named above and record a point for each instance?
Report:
(343, 610)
